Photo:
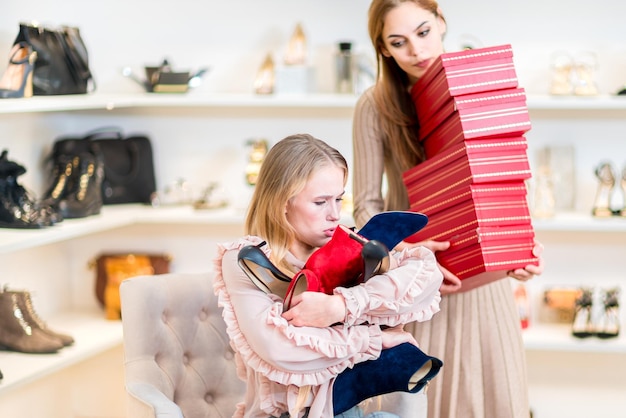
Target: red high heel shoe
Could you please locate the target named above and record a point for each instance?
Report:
(346, 260)
(17, 80)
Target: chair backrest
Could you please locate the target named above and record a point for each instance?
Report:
(175, 340)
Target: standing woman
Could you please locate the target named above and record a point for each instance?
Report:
(290, 359)
(477, 334)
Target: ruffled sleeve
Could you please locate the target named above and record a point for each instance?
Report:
(270, 346)
(406, 293)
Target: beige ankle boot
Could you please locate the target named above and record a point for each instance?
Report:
(17, 334)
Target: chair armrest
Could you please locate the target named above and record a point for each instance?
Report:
(146, 401)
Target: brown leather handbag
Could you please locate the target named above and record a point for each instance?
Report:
(113, 268)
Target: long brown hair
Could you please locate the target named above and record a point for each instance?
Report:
(287, 167)
(396, 109)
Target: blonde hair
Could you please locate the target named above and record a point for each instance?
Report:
(287, 167)
(399, 122)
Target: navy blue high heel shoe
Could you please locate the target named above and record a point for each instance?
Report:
(403, 368)
(392, 227)
(261, 271)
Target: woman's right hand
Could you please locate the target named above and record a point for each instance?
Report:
(451, 283)
(396, 335)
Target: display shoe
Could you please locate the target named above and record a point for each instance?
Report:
(264, 81)
(62, 181)
(338, 263)
(584, 67)
(25, 303)
(17, 334)
(622, 183)
(606, 178)
(403, 368)
(261, 271)
(562, 69)
(582, 327)
(85, 197)
(608, 325)
(17, 208)
(17, 81)
(392, 227)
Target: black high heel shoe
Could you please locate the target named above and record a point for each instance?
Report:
(17, 81)
(375, 256)
(263, 273)
(608, 323)
(582, 327)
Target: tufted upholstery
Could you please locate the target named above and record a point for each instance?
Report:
(178, 361)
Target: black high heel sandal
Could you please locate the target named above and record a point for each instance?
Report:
(17, 81)
(608, 324)
(263, 273)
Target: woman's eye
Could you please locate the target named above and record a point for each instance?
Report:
(423, 33)
(397, 44)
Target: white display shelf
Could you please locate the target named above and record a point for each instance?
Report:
(103, 101)
(578, 222)
(92, 334)
(599, 102)
(98, 101)
(118, 216)
(112, 217)
(558, 337)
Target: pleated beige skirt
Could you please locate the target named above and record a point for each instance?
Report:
(477, 335)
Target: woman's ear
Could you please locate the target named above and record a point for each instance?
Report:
(385, 52)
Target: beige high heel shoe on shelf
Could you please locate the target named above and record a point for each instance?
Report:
(623, 185)
(17, 80)
(264, 82)
(561, 74)
(584, 67)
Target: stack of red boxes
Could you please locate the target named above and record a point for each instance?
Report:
(473, 117)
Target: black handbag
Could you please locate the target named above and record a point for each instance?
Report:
(128, 163)
(62, 65)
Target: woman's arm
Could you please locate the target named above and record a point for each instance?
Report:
(368, 164)
(407, 292)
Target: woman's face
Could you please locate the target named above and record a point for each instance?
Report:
(314, 212)
(413, 37)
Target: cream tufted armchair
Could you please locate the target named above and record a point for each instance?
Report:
(178, 361)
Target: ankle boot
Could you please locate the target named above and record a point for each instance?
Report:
(85, 196)
(340, 262)
(25, 303)
(17, 208)
(403, 368)
(17, 334)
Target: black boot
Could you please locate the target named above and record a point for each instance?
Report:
(83, 195)
(18, 209)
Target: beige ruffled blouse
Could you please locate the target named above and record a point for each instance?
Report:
(276, 359)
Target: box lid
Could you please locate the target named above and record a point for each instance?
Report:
(458, 215)
(463, 64)
(470, 162)
(476, 106)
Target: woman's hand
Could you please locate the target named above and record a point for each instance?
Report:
(396, 336)
(451, 283)
(530, 270)
(316, 309)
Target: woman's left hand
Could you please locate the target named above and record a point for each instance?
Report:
(316, 309)
(530, 270)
